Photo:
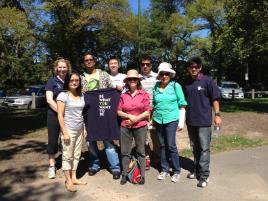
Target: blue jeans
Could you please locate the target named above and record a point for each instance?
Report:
(112, 156)
(200, 142)
(168, 147)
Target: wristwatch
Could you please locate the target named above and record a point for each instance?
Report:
(217, 114)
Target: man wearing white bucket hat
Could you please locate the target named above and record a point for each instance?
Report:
(168, 114)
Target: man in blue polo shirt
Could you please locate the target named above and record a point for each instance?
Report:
(201, 94)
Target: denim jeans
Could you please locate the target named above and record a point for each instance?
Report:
(168, 147)
(112, 156)
(127, 135)
(200, 142)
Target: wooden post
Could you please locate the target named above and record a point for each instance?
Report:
(233, 94)
(253, 94)
(33, 106)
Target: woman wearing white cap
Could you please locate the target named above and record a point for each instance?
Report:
(134, 109)
(168, 114)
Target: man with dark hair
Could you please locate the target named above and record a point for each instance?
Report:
(93, 80)
(148, 80)
(116, 77)
(201, 94)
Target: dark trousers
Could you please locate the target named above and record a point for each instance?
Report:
(127, 135)
(53, 128)
(200, 142)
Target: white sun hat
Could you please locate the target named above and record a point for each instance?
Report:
(165, 67)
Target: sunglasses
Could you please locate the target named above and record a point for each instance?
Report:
(146, 64)
(165, 73)
(194, 66)
(86, 60)
(132, 79)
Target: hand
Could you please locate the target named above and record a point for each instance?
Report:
(132, 118)
(66, 138)
(128, 122)
(119, 88)
(217, 120)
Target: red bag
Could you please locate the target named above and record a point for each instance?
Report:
(134, 173)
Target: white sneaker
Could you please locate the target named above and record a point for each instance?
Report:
(162, 175)
(51, 172)
(191, 175)
(175, 177)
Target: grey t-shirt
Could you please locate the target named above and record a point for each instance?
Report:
(73, 117)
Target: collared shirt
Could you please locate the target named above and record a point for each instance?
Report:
(200, 94)
(148, 83)
(166, 103)
(135, 105)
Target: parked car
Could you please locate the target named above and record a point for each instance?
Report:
(228, 87)
(23, 99)
(2, 95)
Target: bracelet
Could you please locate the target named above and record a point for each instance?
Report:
(217, 114)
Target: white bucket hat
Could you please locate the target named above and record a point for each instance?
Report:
(165, 67)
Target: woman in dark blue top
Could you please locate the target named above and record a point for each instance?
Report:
(53, 87)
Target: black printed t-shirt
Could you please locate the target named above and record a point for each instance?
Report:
(101, 114)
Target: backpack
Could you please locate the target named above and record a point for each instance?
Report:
(134, 173)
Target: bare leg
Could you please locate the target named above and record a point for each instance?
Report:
(68, 183)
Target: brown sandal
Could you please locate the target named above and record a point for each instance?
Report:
(69, 187)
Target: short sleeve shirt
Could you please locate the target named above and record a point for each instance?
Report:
(73, 110)
(200, 94)
(55, 85)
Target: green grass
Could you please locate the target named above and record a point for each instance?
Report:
(246, 105)
(230, 142)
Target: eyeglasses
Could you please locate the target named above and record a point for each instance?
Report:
(146, 64)
(132, 79)
(164, 73)
(86, 60)
(74, 80)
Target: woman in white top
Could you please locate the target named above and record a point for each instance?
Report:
(70, 105)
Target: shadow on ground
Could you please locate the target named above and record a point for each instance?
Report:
(17, 122)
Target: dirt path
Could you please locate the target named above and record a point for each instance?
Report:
(24, 161)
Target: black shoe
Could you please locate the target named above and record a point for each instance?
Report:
(202, 183)
(142, 181)
(123, 180)
(116, 175)
(92, 172)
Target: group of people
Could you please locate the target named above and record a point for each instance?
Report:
(92, 105)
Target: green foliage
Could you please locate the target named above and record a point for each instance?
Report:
(17, 47)
(102, 27)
